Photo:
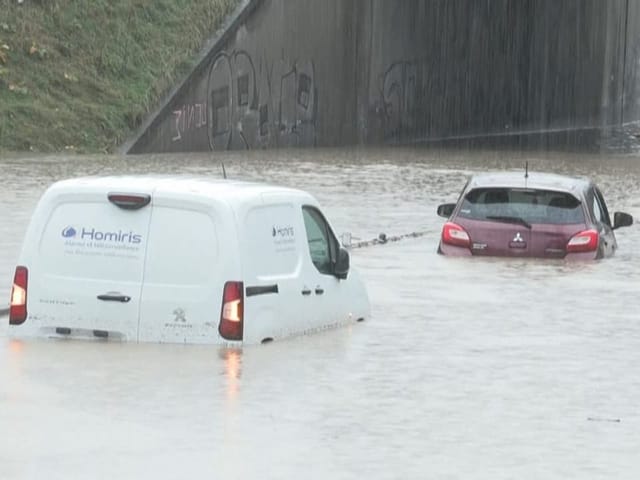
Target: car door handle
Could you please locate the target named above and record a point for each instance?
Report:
(306, 292)
(114, 297)
(319, 291)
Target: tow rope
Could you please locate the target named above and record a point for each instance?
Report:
(347, 239)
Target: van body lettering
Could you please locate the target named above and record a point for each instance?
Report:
(282, 231)
(119, 236)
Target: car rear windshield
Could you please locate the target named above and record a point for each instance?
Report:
(530, 205)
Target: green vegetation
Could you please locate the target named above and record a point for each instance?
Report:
(81, 75)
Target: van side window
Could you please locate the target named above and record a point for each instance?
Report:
(322, 244)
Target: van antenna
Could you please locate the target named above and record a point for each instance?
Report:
(526, 169)
(224, 171)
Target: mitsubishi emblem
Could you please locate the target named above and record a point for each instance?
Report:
(518, 238)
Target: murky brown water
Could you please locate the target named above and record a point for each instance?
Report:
(469, 368)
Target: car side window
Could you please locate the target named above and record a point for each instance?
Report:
(597, 213)
(322, 244)
(599, 200)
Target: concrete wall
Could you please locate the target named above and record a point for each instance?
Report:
(336, 72)
(631, 65)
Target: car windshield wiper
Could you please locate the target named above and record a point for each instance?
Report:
(506, 219)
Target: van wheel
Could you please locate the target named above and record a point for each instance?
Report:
(267, 340)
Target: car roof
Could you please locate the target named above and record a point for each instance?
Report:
(534, 180)
(177, 184)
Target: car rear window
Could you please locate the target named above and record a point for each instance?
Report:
(533, 206)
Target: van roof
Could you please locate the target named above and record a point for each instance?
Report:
(175, 184)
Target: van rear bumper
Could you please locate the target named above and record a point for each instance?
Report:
(20, 331)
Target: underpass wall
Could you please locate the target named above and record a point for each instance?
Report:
(286, 77)
(462, 69)
(631, 66)
(341, 72)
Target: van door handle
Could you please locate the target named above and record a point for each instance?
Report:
(306, 291)
(261, 290)
(319, 290)
(111, 297)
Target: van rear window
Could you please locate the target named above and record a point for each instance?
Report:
(531, 205)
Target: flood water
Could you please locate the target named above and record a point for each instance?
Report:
(468, 368)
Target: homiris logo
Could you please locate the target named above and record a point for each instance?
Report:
(102, 236)
(282, 231)
(69, 232)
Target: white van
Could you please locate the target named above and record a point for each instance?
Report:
(181, 260)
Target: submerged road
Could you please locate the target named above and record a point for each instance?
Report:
(469, 368)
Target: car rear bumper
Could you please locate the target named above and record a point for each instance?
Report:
(453, 251)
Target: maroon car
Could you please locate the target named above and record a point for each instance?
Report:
(518, 214)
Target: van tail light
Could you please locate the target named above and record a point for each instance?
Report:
(585, 241)
(232, 315)
(129, 201)
(454, 234)
(18, 305)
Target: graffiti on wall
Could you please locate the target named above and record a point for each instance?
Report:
(260, 104)
(400, 93)
(188, 117)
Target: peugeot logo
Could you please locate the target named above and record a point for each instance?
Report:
(180, 315)
(518, 238)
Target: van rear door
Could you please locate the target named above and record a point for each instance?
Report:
(192, 253)
(86, 279)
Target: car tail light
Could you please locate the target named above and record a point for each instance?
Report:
(231, 317)
(18, 305)
(453, 234)
(585, 241)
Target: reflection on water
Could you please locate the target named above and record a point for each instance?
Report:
(232, 369)
(469, 368)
